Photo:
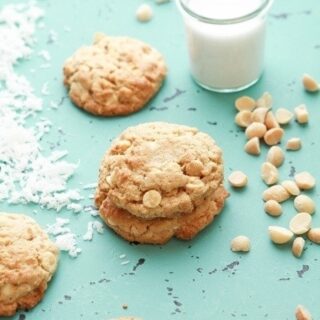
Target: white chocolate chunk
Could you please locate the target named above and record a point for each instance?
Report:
(255, 129)
(253, 146)
(291, 187)
(302, 313)
(265, 101)
(303, 203)
(245, 103)
(240, 244)
(309, 83)
(277, 193)
(305, 180)
(280, 235)
(144, 13)
(243, 118)
(298, 246)
(238, 179)
(151, 199)
(273, 208)
(293, 144)
(283, 116)
(273, 136)
(314, 235)
(300, 223)
(275, 156)
(302, 114)
(269, 173)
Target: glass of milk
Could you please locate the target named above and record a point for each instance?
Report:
(226, 40)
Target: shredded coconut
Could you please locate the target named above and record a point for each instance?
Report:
(45, 55)
(26, 175)
(89, 186)
(93, 226)
(125, 262)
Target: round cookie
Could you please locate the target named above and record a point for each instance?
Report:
(114, 76)
(160, 230)
(160, 170)
(28, 260)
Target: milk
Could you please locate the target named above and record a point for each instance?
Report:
(225, 57)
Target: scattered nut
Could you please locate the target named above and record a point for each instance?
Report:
(277, 193)
(238, 179)
(271, 121)
(309, 83)
(314, 235)
(291, 187)
(259, 115)
(283, 116)
(273, 136)
(265, 101)
(243, 118)
(273, 208)
(302, 114)
(245, 103)
(255, 129)
(303, 203)
(144, 13)
(253, 146)
(305, 180)
(298, 246)
(293, 144)
(302, 313)
(275, 156)
(269, 173)
(280, 235)
(151, 199)
(240, 243)
(300, 223)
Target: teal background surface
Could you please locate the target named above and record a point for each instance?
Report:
(200, 279)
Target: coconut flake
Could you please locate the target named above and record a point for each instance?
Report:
(93, 226)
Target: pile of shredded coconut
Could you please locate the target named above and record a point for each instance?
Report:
(26, 174)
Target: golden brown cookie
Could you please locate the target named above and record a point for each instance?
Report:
(160, 169)
(114, 76)
(28, 260)
(160, 230)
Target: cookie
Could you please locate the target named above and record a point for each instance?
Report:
(160, 230)
(28, 260)
(114, 76)
(160, 170)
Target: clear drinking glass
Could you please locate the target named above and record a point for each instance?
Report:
(226, 40)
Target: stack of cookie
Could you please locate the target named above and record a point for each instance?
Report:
(160, 180)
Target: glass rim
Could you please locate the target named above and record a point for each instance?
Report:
(262, 8)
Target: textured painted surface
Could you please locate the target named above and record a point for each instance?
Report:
(201, 279)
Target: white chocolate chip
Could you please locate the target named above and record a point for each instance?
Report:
(300, 223)
(245, 103)
(238, 179)
(277, 193)
(194, 168)
(303, 203)
(298, 246)
(265, 101)
(302, 114)
(280, 235)
(243, 118)
(305, 180)
(271, 121)
(144, 13)
(151, 199)
(283, 116)
(240, 244)
(291, 187)
(273, 136)
(255, 129)
(253, 146)
(293, 144)
(314, 235)
(309, 83)
(269, 173)
(302, 313)
(275, 156)
(273, 208)
(259, 115)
